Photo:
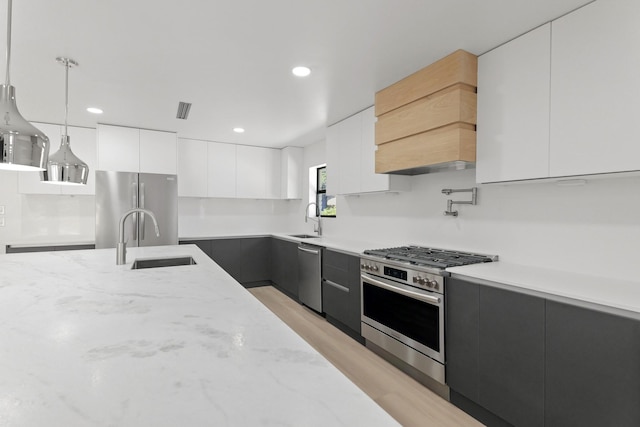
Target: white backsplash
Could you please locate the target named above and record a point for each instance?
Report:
(233, 217)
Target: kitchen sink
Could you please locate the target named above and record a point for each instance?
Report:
(303, 236)
(162, 262)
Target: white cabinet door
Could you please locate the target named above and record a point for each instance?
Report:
(158, 152)
(344, 141)
(273, 173)
(258, 172)
(513, 109)
(29, 182)
(332, 155)
(192, 168)
(84, 145)
(291, 173)
(595, 89)
(118, 148)
(250, 172)
(222, 160)
(350, 161)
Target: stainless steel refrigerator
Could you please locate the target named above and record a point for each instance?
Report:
(118, 192)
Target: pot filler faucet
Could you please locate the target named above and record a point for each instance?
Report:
(121, 249)
(319, 220)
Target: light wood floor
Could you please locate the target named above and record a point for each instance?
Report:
(406, 400)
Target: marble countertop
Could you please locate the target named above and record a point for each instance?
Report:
(605, 294)
(87, 343)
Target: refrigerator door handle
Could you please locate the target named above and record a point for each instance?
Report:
(134, 219)
(140, 213)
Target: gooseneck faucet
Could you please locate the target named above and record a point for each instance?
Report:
(121, 249)
(319, 220)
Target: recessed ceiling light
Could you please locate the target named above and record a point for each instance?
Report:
(94, 110)
(301, 71)
(238, 130)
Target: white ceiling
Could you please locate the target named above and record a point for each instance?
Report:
(232, 58)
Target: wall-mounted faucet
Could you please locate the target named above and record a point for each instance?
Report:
(319, 220)
(450, 203)
(121, 249)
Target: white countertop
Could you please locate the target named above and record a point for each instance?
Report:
(87, 343)
(615, 296)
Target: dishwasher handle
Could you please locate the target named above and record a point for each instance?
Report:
(310, 251)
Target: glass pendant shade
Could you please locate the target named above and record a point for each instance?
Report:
(23, 146)
(63, 166)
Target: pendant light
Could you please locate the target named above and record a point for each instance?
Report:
(23, 146)
(63, 166)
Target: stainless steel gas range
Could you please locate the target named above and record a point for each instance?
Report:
(403, 303)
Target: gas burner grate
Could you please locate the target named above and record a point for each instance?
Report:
(431, 257)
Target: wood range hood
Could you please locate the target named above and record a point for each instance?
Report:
(427, 121)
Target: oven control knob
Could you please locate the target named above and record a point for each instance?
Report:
(415, 279)
(420, 280)
(434, 284)
(374, 267)
(361, 266)
(367, 267)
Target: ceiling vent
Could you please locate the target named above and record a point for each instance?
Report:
(183, 110)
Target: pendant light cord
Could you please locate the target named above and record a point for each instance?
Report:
(7, 81)
(66, 98)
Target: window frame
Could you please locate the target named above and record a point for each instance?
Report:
(320, 192)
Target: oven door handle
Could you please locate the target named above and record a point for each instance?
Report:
(425, 298)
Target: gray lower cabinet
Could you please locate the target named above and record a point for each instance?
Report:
(592, 368)
(246, 259)
(527, 361)
(341, 291)
(495, 352)
(284, 266)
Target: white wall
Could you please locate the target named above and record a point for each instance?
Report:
(593, 228)
(43, 219)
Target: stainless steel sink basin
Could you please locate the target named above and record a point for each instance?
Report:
(303, 236)
(162, 262)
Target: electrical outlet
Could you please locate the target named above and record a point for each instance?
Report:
(2, 222)
(1, 209)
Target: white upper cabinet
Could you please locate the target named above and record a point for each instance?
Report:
(513, 109)
(214, 169)
(134, 150)
(291, 173)
(564, 104)
(83, 144)
(222, 160)
(118, 148)
(596, 89)
(192, 168)
(351, 158)
(158, 152)
(257, 172)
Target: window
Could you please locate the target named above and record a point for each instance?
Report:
(326, 203)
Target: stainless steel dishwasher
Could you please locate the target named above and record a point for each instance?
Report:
(310, 276)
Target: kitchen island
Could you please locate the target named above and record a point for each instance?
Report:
(85, 342)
